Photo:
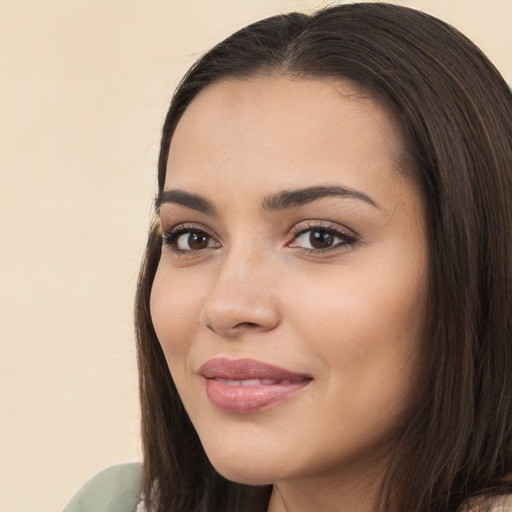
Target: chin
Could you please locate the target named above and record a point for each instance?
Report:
(242, 474)
(249, 467)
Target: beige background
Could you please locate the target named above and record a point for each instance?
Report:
(84, 86)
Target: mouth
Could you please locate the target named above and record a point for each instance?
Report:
(245, 385)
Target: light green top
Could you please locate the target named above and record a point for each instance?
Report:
(116, 489)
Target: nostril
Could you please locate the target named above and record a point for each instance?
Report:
(238, 315)
(241, 325)
(246, 324)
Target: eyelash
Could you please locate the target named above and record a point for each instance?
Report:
(347, 238)
(171, 237)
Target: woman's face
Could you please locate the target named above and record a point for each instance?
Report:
(290, 297)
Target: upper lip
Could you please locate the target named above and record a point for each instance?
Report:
(242, 369)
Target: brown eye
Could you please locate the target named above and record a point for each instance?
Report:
(195, 241)
(188, 240)
(321, 239)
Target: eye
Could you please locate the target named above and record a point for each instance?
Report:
(321, 238)
(183, 239)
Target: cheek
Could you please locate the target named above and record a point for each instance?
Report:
(175, 308)
(367, 328)
(362, 306)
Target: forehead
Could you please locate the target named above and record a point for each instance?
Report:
(306, 129)
(312, 104)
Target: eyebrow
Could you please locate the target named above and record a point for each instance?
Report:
(193, 201)
(293, 198)
(279, 201)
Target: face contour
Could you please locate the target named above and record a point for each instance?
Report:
(290, 298)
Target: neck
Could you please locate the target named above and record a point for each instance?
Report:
(332, 492)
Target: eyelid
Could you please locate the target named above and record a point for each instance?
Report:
(347, 237)
(181, 228)
(186, 226)
(307, 225)
(350, 237)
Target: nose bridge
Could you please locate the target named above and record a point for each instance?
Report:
(243, 262)
(241, 296)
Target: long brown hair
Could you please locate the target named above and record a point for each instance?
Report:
(456, 112)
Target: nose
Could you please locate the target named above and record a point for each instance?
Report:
(241, 299)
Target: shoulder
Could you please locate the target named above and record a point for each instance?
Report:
(502, 503)
(116, 489)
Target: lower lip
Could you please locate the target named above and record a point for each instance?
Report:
(246, 399)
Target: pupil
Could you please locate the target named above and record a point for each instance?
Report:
(197, 241)
(321, 239)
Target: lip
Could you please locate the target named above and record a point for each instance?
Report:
(246, 385)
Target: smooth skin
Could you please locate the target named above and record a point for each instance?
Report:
(333, 286)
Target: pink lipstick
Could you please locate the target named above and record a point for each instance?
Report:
(246, 385)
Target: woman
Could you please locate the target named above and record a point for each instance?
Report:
(323, 314)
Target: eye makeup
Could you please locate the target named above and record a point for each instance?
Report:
(311, 237)
(321, 236)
